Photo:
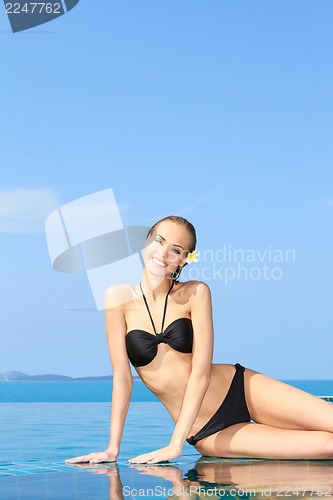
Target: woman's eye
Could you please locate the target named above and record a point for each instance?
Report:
(158, 241)
(176, 251)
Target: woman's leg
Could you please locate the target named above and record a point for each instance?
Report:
(278, 404)
(289, 423)
(263, 441)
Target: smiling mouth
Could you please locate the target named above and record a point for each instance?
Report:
(159, 262)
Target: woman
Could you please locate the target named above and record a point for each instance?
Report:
(212, 405)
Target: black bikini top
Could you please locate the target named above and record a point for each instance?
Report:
(142, 346)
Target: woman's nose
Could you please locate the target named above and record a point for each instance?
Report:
(163, 252)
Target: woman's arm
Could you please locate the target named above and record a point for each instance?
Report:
(115, 326)
(198, 382)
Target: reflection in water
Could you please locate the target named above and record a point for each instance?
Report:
(265, 478)
(211, 478)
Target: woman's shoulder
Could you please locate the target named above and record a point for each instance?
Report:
(196, 288)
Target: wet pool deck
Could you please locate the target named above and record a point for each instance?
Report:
(188, 477)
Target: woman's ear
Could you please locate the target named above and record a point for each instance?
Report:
(184, 257)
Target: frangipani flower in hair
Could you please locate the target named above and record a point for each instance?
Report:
(192, 257)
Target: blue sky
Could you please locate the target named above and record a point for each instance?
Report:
(217, 111)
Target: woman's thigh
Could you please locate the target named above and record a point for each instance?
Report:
(263, 441)
(276, 403)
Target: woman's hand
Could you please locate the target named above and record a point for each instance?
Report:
(94, 458)
(162, 455)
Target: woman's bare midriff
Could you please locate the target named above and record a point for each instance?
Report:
(167, 375)
(169, 385)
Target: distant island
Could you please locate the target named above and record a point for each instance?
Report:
(16, 376)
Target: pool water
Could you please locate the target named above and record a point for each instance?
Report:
(56, 431)
(36, 438)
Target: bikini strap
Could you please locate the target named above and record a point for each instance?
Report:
(165, 304)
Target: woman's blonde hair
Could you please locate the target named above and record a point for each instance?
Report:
(178, 220)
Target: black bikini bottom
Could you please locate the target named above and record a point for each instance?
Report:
(233, 409)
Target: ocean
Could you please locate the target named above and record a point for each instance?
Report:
(100, 392)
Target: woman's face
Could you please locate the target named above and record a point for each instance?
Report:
(167, 248)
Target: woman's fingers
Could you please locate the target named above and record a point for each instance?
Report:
(83, 458)
(150, 458)
(93, 458)
(161, 455)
